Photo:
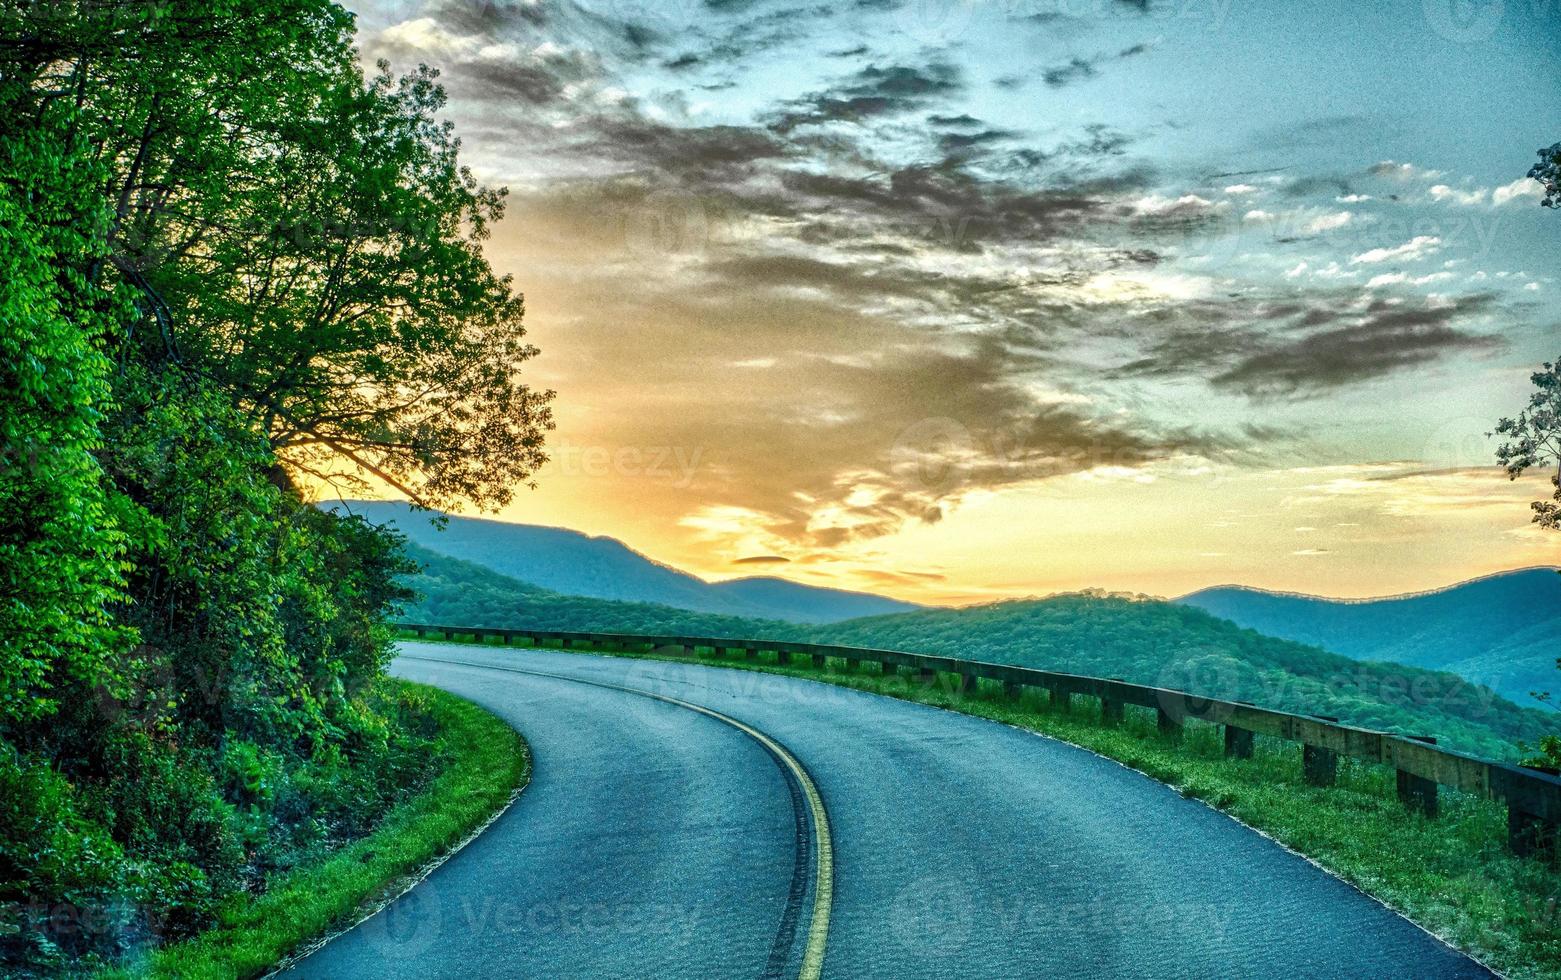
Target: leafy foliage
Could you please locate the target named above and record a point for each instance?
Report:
(1548, 172)
(1535, 440)
(229, 264)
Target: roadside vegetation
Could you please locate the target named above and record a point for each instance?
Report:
(1452, 874)
(478, 763)
(233, 270)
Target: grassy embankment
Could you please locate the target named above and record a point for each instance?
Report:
(1452, 875)
(484, 763)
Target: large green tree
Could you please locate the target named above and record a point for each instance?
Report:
(1533, 441)
(231, 267)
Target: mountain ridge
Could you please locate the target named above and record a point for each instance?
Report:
(1500, 630)
(571, 562)
(1356, 600)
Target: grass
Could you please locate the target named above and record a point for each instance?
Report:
(487, 763)
(1452, 875)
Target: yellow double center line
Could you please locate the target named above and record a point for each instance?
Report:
(824, 852)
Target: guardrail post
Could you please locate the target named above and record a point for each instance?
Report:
(1111, 712)
(1320, 766)
(750, 653)
(1060, 700)
(887, 668)
(1416, 792)
(967, 683)
(926, 675)
(1238, 743)
(818, 661)
(1167, 723)
(421, 633)
(1012, 689)
(1531, 836)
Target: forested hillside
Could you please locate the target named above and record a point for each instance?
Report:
(1500, 631)
(452, 592)
(1141, 640)
(1154, 642)
(231, 267)
(571, 563)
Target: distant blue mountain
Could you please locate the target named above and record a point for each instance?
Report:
(573, 563)
(1503, 631)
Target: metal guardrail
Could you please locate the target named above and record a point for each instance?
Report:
(1532, 797)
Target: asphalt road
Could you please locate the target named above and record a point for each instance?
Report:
(659, 841)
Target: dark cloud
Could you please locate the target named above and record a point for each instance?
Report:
(1304, 349)
(762, 560)
(871, 92)
(1385, 341)
(1078, 69)
(1075, 70)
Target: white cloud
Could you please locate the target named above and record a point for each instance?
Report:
(1154, 204)
(1300, 268)
(1386, 279)
(1303, 221)
(1522, 189)
(1328, 222)
(1403, 171)
(1416, 248)
(1441, 192)
(1394, 278)
(1238, 189)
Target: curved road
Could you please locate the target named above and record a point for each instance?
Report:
(660, 841)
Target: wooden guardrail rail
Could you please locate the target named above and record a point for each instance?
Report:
(1532, 797)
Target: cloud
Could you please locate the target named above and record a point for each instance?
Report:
(870, 93)
(1402, 171)
(1385, 340)
(1078, 69)
(762, 560)
(866, 304)
(1413, 250)
(1283, 349)
(1445, 194)
(1522, 190)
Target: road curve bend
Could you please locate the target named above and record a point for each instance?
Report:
(662, 837)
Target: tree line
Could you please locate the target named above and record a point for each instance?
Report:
(234, 268)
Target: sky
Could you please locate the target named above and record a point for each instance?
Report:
(959, 300)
